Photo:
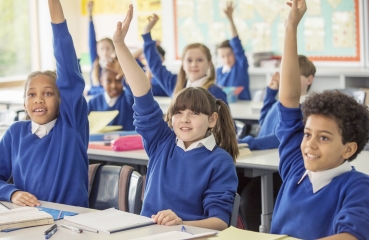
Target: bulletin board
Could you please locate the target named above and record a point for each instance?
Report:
(329, 31)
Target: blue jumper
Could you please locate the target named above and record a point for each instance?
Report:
(92, 44)
(238, 74)
(268, 122)
(53, 168)
(123, 105)
(155, 86)
(196, 185)
(165, 78)
(341, 206)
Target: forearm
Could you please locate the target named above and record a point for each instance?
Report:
(340, 236)
(289, 92)
(56, 11)
(233, 28)
(134, 75)
(210, 223)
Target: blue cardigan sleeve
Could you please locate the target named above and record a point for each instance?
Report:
(241, 59)
(73, 106)
(261, 143)
(92, 41)
(165, 78)
(269, 100)
(290, 131)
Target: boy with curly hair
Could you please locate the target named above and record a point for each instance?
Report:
(322, 196)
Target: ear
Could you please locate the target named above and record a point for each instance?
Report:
(310, 80)
(351, 148)
(213, 120)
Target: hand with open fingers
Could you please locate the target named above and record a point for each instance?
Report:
(274, 82)
(122, 27)
(114, 66)
(167, 217)
(22, 198)
(298, 9)
(90, 6)
(152, 21)
(229, 10)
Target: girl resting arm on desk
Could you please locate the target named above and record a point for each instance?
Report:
(191, 177)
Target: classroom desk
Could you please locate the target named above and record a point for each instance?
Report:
(260, 163)
(62, 233)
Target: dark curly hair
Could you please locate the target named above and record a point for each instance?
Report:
(351, 117)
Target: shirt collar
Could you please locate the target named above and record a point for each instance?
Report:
(321, 179)
(208, 142)
(110, 101)
(42, 130)
(226, 69)
(198, 83)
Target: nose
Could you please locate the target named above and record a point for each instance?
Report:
(185, 118)
(311, 143)
(39, 100)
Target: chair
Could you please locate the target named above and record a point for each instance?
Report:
(234, 216)
(119, 187)
(357, 93)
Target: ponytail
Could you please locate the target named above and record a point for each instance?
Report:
(95, 74)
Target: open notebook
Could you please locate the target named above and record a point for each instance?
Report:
(110, 220)
(99, 121)
(23, 217)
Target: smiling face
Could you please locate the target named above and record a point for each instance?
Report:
(195, 64)
(227, 56)
(322, 146)
(111, 84)
(191, 126)
(105, 50)
(42, 99)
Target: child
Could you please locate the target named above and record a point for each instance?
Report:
(196, 62)
(235, 65)
(322, 196)
(47, 157)
(114, 98)
(191, 179)
(268, 121)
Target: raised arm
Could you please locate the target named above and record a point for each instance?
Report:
(289, 92)
(269, 99)
(229, 13)
(136, 78)
(91, 34)
(56, 11)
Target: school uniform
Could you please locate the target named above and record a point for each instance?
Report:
(237, 75)
(155, 86)
(196, 183)
(165, 78)
(50, 161)
(92, 44)
(315, 205)
(123, 103)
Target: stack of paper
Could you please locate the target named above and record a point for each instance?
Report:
(99, 121)
(235, 233)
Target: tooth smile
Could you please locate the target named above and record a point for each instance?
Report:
(311, 155)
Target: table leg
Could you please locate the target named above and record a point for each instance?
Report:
(266, 202)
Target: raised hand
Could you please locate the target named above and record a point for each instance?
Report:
(22, 198)
(229, 10)
(122, 27)
(298, 9)
(90, 6)
(152, 21)
(167, 217)
(274, 82)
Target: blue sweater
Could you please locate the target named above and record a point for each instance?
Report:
(165, 78)
(238, 75)
(123, 105)
(341, 206)
(196, 185)
(93, 55)
(268, 122)
(53, 168)
(155, 86)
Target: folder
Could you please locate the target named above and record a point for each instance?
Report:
(99, 121)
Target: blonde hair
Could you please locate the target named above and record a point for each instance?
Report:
(96, 70)
(51, 74)
(181, 78)
(200, 100)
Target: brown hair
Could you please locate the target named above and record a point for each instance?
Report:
(50, 74)
(200, 100)
(181, 79)
(225, 44)
(307, 67)
(96, 71)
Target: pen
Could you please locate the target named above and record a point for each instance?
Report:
(50, 229)
(183, 229)
(51, 233)
(74, 229)
(60, 214)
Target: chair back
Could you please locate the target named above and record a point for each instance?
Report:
(235, 209)
(119, 187)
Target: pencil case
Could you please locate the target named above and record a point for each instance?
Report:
(126, 143)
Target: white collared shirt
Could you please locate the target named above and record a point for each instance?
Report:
(208, 142)
(321, 179)
(226, 69)
(42, 130)
(110, 101)
(198, 83)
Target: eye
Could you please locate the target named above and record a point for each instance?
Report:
(189, 60)
(200, 60)
(48, 94)
(307, 135)
(176, 112)
(324, 138)
(195, 113)
(31, 95)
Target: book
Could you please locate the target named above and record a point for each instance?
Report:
(23, 217)
(99, 121)
(244, 149)
(110, 220)
(107, 137)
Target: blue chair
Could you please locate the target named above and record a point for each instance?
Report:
(235, 210)
(119, 187)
